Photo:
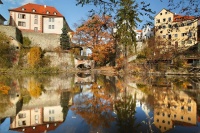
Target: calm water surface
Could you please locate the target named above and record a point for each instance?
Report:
(87, 103)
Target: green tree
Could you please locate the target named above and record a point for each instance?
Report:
(127, 19)
(64, 38)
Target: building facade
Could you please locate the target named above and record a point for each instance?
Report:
(176, 30)
(37, 18)
(147, 32)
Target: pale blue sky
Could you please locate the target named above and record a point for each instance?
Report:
(67, 8)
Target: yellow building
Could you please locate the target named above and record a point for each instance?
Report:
(176, 30)
(174, 108)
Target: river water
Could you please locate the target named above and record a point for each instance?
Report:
(88, 103)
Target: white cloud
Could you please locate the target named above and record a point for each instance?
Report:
(23, 2)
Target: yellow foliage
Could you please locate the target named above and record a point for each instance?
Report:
(34, 88)
(34, 56)
(4, 89)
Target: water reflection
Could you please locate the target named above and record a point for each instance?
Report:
(85, 102)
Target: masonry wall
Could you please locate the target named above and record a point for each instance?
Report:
(61, 60)
(43, 40)
(11, 31)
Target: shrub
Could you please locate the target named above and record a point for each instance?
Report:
(34, 56)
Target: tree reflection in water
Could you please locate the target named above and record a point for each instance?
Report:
(126, 110)
(95, 107)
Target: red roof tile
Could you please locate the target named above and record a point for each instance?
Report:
(39, 9)
(178, 18)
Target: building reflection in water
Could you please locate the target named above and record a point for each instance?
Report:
(174, 108)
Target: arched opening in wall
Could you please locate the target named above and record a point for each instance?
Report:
(83, 67)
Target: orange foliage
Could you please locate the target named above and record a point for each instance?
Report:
(96, 33)
(34, 56)
(34, 88)
(4, 89)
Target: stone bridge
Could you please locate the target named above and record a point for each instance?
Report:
(83, 62)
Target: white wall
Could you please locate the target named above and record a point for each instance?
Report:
(58, 25)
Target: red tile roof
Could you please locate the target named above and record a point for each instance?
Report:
(39, 9)
(139, 30)
(179, 18)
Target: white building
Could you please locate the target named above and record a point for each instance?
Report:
(147, 32)
(37, 18)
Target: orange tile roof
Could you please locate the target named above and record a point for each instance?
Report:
(39, 9)
(179, 18)
(139, 30)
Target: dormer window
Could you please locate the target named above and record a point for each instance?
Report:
(23, 9)
(33, 10)
(54, 13)
(48, 12)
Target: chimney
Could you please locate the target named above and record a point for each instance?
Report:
(45, 6)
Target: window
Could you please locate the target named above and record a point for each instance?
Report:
(169, 19)
(163, 121)
(175, 35)
(189, 108)
(160, 13)
(47, 12)
(169, 26)
(51, 19)
(36, 16)
(182, 108)
(183, 34)
(169, 115)
(49, 26)
(21, 123)
(181, 117)
(164, 19)
(36, 29)
(160, 31)
(164, 26)
(33, 10)
(168, 122)
(189, 119)
(165, 12)
(22, 115)
(157, 120)
(35, 21)
(20, 23)
(51, 118)
(21, 16)
(164, 36)
(54, 13)
(23, 9)
(174, 116)
(158, 21)
(182, 42)
(52, 26)
(163, 114)
(51, 111)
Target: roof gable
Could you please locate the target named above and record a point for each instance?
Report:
(2, 18)
(38, 9)
(162, 10)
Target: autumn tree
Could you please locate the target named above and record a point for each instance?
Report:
(34, 56)
(96, 107)
(96, 33)
(64, 38)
